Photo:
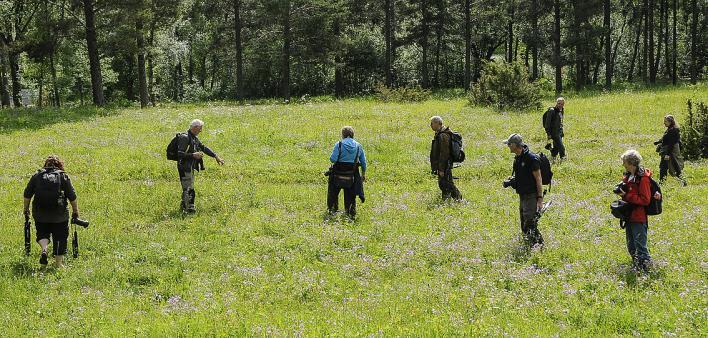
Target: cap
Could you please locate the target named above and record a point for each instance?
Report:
(515, 139)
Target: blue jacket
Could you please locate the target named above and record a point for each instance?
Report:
(349, 148)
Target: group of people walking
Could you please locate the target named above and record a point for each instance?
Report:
(50, 190)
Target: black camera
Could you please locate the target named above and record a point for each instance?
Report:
(619, 188)
(79, 221)
(509, 182)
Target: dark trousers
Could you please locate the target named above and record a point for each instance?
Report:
(664, 168)
(527, 215)
(186, 180)
(558, 147)
(57, 232)
(333, 198)
(636, 235)
(447, 186)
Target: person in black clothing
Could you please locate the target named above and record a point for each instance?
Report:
(669, 148)
(554, 129)
(441, 160)
(526, 180)
(190, 153)
(51, 188)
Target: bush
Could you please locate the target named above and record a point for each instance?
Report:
(401, 94)
(505, 85)
(694, 138)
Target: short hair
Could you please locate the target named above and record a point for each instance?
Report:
(436, 119)
(347, 131)
(53, 161)
(196, 123)
(560, 99)
(632, 157)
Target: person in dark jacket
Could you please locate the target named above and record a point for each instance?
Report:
(669, 148)
(637, 192)
(554, 129)
(440, 159)
(49, 190)
(190, 154)
(347, 156)
(528, 184)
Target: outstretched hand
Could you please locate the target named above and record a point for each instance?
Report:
(219, 160)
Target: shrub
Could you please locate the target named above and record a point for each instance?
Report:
(694, 138)
(401, 94)
(505, 85)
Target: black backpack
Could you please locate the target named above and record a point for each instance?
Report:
(546, 119)
(654, 207)
(172, 148)
(546, 172)
(457, 153)
(48, 192)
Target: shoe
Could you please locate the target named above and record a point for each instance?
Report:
(190, 210)
(43, 258)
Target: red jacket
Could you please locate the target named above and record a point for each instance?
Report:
(638, 195)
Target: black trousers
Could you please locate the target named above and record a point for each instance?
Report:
(664, 168)
(558, 147)
(447, 186)
(333, 198)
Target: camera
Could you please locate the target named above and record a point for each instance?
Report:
(79, 221)
(509, 182)
(619, 188)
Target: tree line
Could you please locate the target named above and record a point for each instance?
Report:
(149, 51)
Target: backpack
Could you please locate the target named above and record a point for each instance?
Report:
(546, 172)
(546, 119)
(172, 148)
(457, 153)
(654, 207)
(48, 192)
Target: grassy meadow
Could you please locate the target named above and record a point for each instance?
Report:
(260, 258)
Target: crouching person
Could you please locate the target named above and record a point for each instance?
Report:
(49, 190)
(526, 180)
(347, 156)
(636, 191)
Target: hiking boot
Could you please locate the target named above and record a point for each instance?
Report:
(646, 265)
(43, 258)
(190, 210)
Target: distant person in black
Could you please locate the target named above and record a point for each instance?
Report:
(51, 189)
(190, 153)
(526, 180)
(669, 148)
(554, 130)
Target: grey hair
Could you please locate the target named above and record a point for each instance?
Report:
(632, 157)
(560, 99)
(196, 123)
(436, 119)
(347, 131)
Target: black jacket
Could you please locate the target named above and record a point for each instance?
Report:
(59, 213)
(554, 124)
(671, 137)
(524, 166)
(188, 144)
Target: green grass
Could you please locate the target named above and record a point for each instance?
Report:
(259, 258)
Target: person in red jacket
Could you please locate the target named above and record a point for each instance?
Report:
(637, 192)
